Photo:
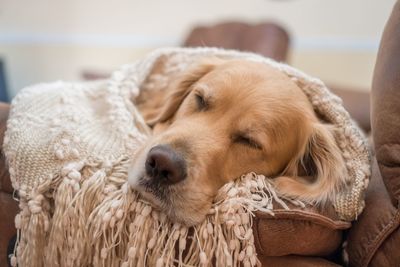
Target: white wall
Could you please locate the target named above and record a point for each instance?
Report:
(45, 40)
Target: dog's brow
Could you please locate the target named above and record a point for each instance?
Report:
(202, 87)
(204, 90)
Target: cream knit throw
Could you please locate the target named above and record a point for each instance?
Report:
(68, 146)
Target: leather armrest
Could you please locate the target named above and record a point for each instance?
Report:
(379, 220)
(374, 239)
(386, 106)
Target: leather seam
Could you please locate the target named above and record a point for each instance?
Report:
(389, 166)
(309, 217)
(382, 235)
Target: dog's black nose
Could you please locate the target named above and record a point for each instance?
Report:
(165, 165)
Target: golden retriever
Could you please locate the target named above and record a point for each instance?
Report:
(225, 118)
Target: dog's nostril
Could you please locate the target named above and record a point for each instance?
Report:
(152, 163)
(165, 165)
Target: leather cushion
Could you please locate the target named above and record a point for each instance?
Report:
(309, 232)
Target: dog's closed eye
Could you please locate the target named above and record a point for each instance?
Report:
(247, 141)
(201, 102)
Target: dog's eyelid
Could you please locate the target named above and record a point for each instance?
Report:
(201, 101)
(246, 140)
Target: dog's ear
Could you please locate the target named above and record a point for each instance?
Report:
(180, 88)
(318, 172)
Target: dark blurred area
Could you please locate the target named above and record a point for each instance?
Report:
(3, 87)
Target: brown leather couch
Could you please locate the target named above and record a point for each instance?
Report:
(309, 237)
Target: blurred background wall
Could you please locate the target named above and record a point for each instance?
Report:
(46, 40)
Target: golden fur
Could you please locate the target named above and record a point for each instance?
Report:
(231, 117)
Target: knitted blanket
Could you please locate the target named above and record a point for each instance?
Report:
(68, 147)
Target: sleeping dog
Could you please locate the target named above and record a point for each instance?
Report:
(225, 118)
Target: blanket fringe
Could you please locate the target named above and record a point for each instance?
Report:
(97, 219)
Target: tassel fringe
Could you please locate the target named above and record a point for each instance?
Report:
(88, 215)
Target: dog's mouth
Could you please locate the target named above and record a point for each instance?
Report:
(151, 192)
(162, 196)
(178, 208)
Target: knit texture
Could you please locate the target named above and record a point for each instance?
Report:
(68, 147)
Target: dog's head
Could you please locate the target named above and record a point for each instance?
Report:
(223, 119)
